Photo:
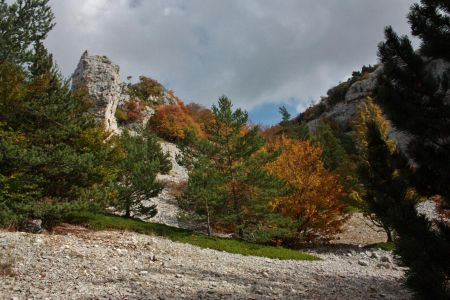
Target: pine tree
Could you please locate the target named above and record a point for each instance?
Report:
(23, 24)
(55, 158)
(425, 250)
(430, 21)
(233, 157)
(205, 193)
(63, 153)
(138, 169)
(339, 162)
(332, 150)
(415, 100)
(375, 204)
(292, 128)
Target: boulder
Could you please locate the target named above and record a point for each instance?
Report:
(33, 226)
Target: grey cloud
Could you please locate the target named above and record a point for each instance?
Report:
(135, 3)
(254, 51)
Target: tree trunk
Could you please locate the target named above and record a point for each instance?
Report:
(237, 211)
(208, 219)
(389, 234)
(127, 212)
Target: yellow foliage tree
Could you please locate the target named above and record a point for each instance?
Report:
(370, 112)
(313, 203)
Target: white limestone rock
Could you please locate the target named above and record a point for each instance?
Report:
(364, 88)
(101, 79)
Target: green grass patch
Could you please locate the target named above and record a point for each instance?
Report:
(387, 246)
(350, 209)
(97, 221)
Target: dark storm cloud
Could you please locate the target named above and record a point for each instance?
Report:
(254, 51)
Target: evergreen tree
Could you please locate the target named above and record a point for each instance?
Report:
(338, 161)
(333, 153)
(23, 24)
(205, 193)
(54, 157)
(425, 250)
(234, 158)
(60, 153)
(374, 204)
(292, 128)
(138, 169)
(430, 21)
(416, 102)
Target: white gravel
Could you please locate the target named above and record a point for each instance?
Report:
(166, 201)
(428, 209)
(117, 265)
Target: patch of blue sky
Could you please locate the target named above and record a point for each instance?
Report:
(267, 114)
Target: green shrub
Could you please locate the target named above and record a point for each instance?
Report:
(121, 115)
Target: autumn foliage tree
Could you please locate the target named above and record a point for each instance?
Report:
(369, 112)
(313, 201)
(201, 115)
(171, 121)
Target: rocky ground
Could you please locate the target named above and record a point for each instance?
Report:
(166, 201)
(359, 230)
(79, 264)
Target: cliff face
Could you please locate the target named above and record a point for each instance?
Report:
(101, 79)
(345, 110)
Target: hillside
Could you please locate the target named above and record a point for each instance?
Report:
(342, 102)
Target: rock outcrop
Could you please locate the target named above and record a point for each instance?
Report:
(101, 79)
(343, 112)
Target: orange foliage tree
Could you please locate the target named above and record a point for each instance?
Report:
(171, 121)
(313, 202)
(202, 115)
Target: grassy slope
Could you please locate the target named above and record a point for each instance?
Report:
(101, 222)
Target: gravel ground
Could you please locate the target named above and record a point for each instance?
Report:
(117, 265)
(359, 230)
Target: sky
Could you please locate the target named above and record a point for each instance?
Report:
(260, 53)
